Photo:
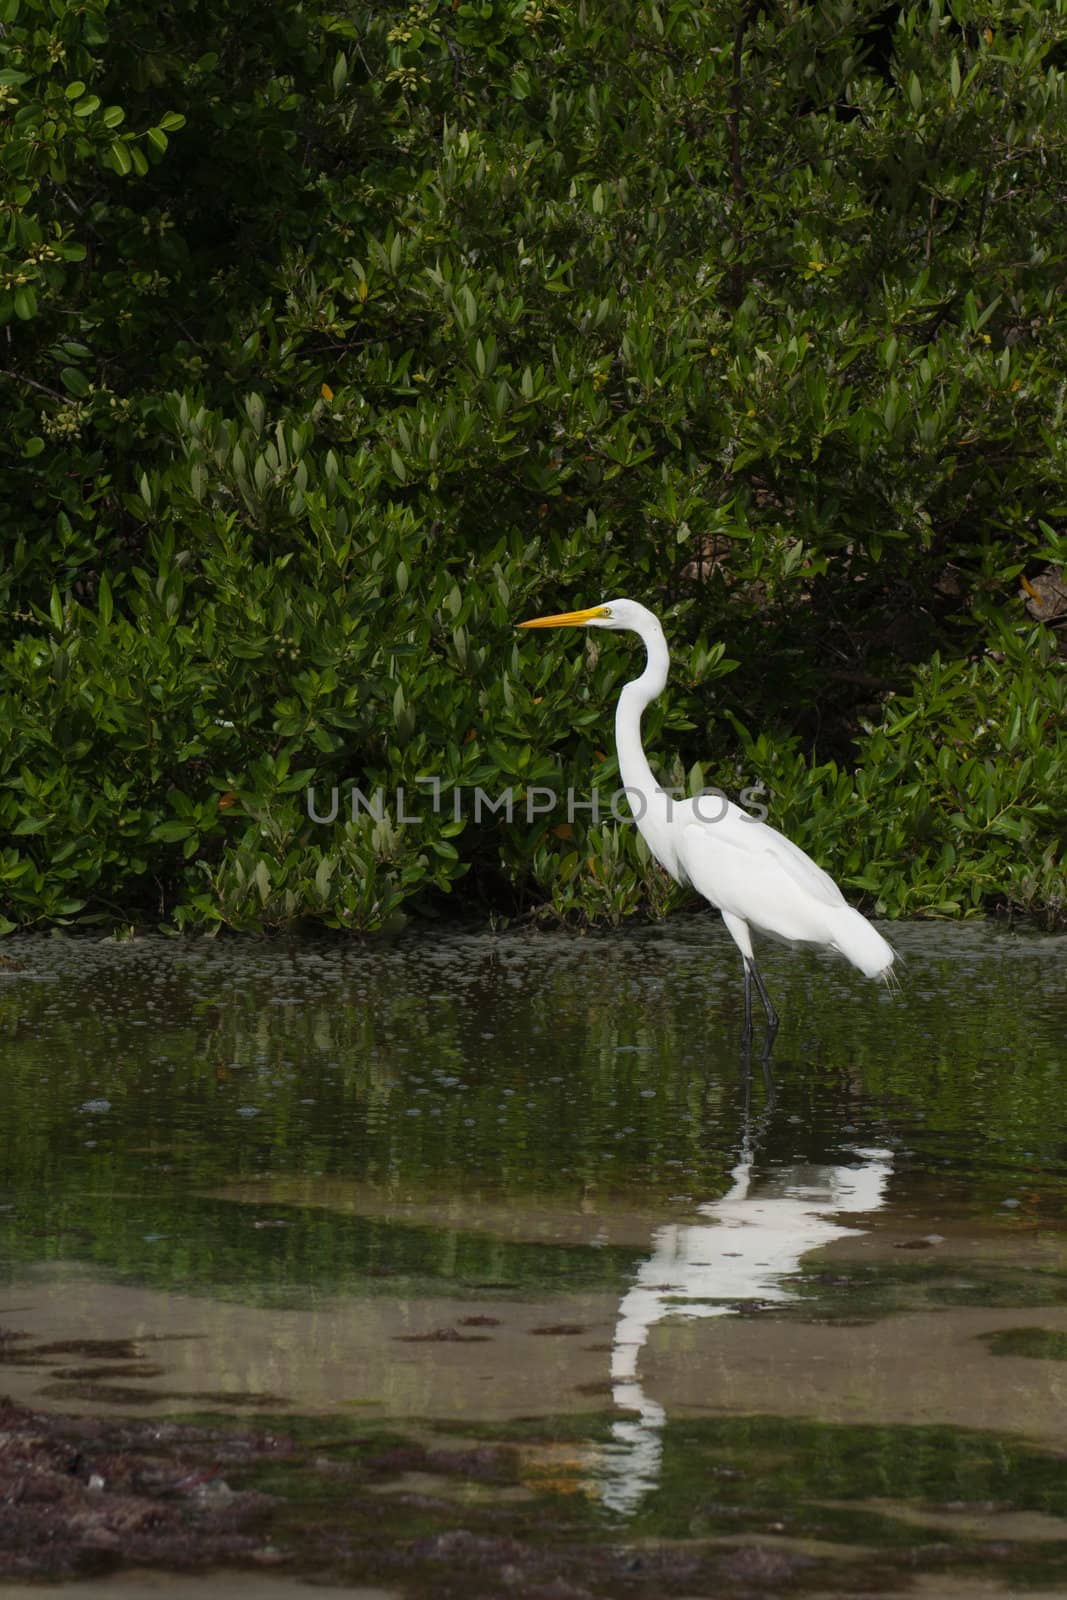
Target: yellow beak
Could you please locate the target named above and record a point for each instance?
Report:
(566, 619)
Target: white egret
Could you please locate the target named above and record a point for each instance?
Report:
(755, 876)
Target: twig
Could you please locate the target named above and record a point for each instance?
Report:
(737, 169)
(20, 377)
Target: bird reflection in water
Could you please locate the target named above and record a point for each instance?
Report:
(744, 1248)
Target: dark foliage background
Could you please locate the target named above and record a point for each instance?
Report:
(333, 344)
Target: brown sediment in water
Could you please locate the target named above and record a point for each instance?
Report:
(604, 1219)
(412, 1359)
(79, 1495)
(440, 1519)
(451, 1357)
(86, 1498)
(139, 1584)
(607, 1217)
(378, 1357)
(912, 1368)
(433, 1518)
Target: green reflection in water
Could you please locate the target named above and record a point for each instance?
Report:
(858, 1291)
(760, 1465)
(514, 1067)
(285, 1256)
(1041, 1344)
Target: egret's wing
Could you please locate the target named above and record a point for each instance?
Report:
(792, 860)
(756, 873)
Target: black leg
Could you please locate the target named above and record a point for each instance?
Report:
(746, 1037)
(768, 1082)
(752, 976)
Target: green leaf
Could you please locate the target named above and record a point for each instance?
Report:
(33, 446)
(76, 381)
(262, 881)
(171, 831)
(120, 158)
(157, 139)
(86, 107)
(25, 302)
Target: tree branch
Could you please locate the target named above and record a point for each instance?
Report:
(737, 169)
(20, 377)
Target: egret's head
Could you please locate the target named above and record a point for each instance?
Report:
(612, 614)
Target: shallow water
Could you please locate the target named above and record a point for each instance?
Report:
(522, 1186)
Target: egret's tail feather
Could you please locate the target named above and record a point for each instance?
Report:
(861, 944)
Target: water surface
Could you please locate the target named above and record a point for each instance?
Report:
(523, 1186)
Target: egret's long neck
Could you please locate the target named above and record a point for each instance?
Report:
(633, 763)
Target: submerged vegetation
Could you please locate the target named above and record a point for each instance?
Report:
(749, 1505)
(398, 324)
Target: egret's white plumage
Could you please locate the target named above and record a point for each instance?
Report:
(750, 872)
